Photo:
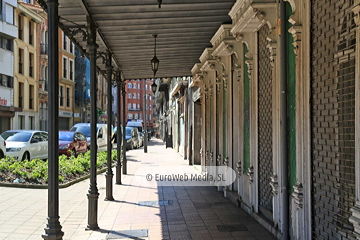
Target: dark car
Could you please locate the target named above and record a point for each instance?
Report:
(72, 143)
(131, 137)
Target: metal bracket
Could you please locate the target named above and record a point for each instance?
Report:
(72, 31)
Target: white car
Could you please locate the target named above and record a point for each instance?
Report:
(26, 144)
(2, 147)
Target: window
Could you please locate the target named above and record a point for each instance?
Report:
(1, 10)
(9, 14)
(32, 122)
(130, 115)
(6, 81)
(129, 106)
(21, 95)
(31, 65)
(134, 106)
(20, 27)
(138, 85)
(129, 95)
(134, 85)
(64, 42)
(71, 69)
(140, 115)
(21, 55)
(31, 96)
(149, 117)
(67, 97)
(64, 68)
(31, 33)
(134, 95)
(138, 95)
(136, 116)
(6, 43)
(71, 47)
(21, 122)
(138, 106)
(150, 98)
(129, 85)
(61, 93)
(146, 86)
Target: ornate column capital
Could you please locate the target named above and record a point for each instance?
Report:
(356, 11)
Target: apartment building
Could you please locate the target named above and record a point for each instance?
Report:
(8, 32)
(26, 78)
(134, 101)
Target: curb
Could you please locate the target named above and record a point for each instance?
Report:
(45, 186)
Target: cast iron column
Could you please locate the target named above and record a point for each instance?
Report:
(53, 227)
(93, 194)
(145, 133)
(124, 127)
(109, 174)
(118, 136)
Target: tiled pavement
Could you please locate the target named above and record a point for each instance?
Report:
(193, 212)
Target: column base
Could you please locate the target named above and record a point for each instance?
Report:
(355, 219)
(53, 230)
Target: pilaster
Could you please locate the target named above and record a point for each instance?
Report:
(355, 217)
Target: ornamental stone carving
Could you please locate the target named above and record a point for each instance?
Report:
(218, 160)
(298, 195)
(250, 174)
(274, 183)
(239, 168)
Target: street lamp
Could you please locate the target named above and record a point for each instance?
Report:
(155, 61)
(153, 87)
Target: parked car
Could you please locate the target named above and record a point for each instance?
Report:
(101, 130)
(72, 143)
(26, 144)
(2, 148)
(132, 138)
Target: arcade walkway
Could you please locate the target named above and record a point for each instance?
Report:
(138, 212)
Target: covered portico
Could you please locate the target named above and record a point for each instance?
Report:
(117, 37)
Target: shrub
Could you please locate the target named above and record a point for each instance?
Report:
(36, 170)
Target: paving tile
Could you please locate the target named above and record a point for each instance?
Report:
(195, 213)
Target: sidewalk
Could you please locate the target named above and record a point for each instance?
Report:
(184, 212)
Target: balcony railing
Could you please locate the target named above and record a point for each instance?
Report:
(43, 48)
